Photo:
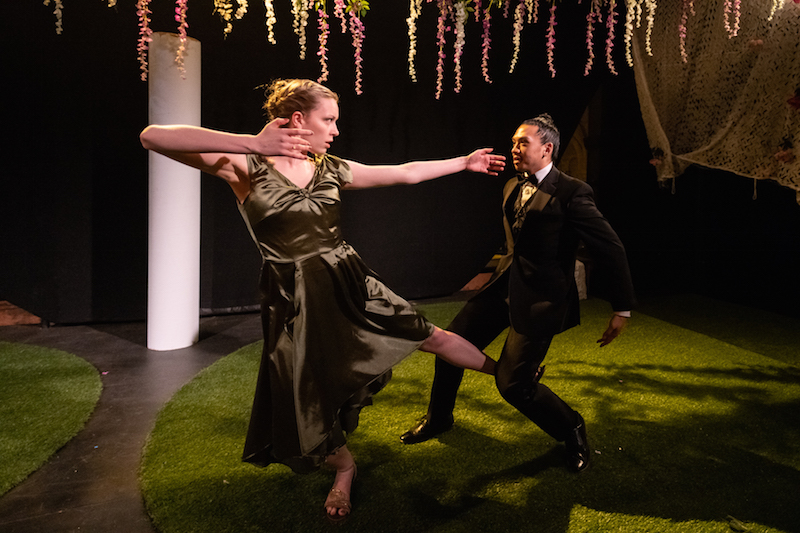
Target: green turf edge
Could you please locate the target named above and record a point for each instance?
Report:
(46, 397)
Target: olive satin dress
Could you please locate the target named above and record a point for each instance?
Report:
(332, 328)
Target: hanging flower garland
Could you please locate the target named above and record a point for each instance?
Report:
(57, 11)
(351, 13)
(414, 10)
(441, 27)
(145, 35)
(181, 8)
(242, 10)
(458, 46)
(633, 13)
(324, 31)
(357, 9)
(519, 17)
(651, 21)
(688, 8)
(270, 21)
(299, 23)
(338, 11)
(732, 9)
(775, 6)
(551, 40)
(592, 18)
(611, 23)
(486, 42)
(225, 11)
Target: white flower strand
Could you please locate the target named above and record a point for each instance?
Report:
(775, 5)
(299, 23)
(225, 9)
(519, 17)
(630, 17)
(460, 18)
(242, 10)
(415, 8)
(530, 10)
(270, 22)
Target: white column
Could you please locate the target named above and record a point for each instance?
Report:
(173, 284)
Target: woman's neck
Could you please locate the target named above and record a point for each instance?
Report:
(298, 171)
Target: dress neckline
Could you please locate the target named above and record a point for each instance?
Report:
(308, 185)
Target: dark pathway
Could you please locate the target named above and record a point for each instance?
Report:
(91, 484)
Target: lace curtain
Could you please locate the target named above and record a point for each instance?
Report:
(726, 95)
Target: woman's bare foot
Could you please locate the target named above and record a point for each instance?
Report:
(337, 504)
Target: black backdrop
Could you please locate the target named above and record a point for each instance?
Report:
(73, 187)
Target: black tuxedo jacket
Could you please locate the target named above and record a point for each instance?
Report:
(539, 265)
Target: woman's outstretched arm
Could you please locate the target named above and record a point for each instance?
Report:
(482, 160)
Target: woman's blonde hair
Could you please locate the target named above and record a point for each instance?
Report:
(284, 97)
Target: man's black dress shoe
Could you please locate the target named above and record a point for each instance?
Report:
(577, 445)
(424, 431)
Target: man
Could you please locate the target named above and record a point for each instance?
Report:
(533, 290)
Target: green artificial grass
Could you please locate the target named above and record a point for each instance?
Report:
(691, 434)
(46, 396)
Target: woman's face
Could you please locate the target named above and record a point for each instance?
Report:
(322, 121)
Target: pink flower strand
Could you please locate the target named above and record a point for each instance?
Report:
(486, 43)
(592, 17)
(611, 22)
(181, 8)
(732, 9)
(338, 12)
(324, 31)
(682, 30)
(357, 31)
(145, 35)
(441, 27)
(551, 40)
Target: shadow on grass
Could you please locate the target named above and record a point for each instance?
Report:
(686, 432)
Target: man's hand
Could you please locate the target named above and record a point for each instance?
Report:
(486, 162)
(615, 327)
(275, 140)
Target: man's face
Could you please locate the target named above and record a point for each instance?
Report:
(527, 150)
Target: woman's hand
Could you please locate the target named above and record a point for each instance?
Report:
(484, 161)
(275, 140)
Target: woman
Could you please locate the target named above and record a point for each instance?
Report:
(332, 329)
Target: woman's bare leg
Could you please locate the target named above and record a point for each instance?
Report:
(345, 467)
(457, 351)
